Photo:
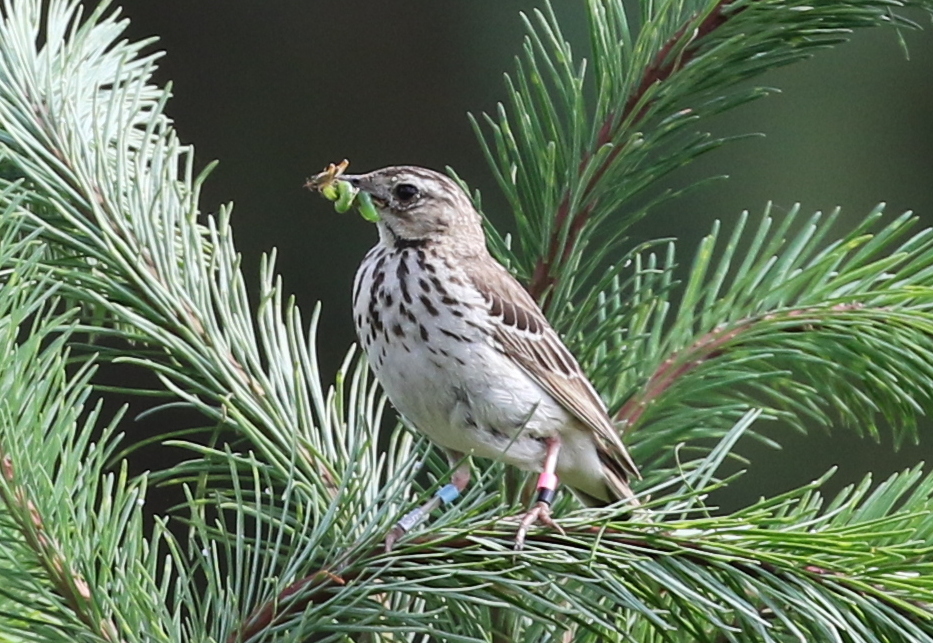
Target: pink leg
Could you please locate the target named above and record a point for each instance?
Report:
(547, 486)
(459, 480)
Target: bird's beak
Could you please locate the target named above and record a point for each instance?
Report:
(365, 183)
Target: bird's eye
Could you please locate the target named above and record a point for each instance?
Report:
(405, 192)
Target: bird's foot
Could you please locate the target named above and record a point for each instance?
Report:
(541, 512)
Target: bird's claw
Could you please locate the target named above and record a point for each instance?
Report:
(394, 534)
(541, 512)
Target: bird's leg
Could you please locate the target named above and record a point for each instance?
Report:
(547, 489)
(459, 480)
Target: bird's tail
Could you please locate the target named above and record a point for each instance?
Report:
(619, 490)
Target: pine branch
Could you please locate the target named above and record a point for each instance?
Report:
(636, 107)
(575, 174)
(812, 331)
(325, 584)
(66, 581)
(758, 551)
(58, 568)
(718, 343)
(288, 504)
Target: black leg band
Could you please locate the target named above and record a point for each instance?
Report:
(546, 495)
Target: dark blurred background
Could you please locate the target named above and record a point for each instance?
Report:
(276, 90)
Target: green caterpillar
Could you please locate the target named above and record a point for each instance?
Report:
(367, 209)
(343, 195)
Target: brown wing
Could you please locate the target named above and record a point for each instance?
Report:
(529, 339)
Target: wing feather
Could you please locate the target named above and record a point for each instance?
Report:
(528, 338)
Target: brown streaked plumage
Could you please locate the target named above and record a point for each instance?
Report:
(528, 338)
(465, 354)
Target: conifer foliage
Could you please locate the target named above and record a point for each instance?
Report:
(280, 537)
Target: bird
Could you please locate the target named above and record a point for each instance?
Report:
(466, 356)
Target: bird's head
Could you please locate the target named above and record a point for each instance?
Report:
(418, 206)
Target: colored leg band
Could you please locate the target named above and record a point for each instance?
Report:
(448, 493)
(547, 481)
(410, 519)
(547, 487)
(546, 495)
